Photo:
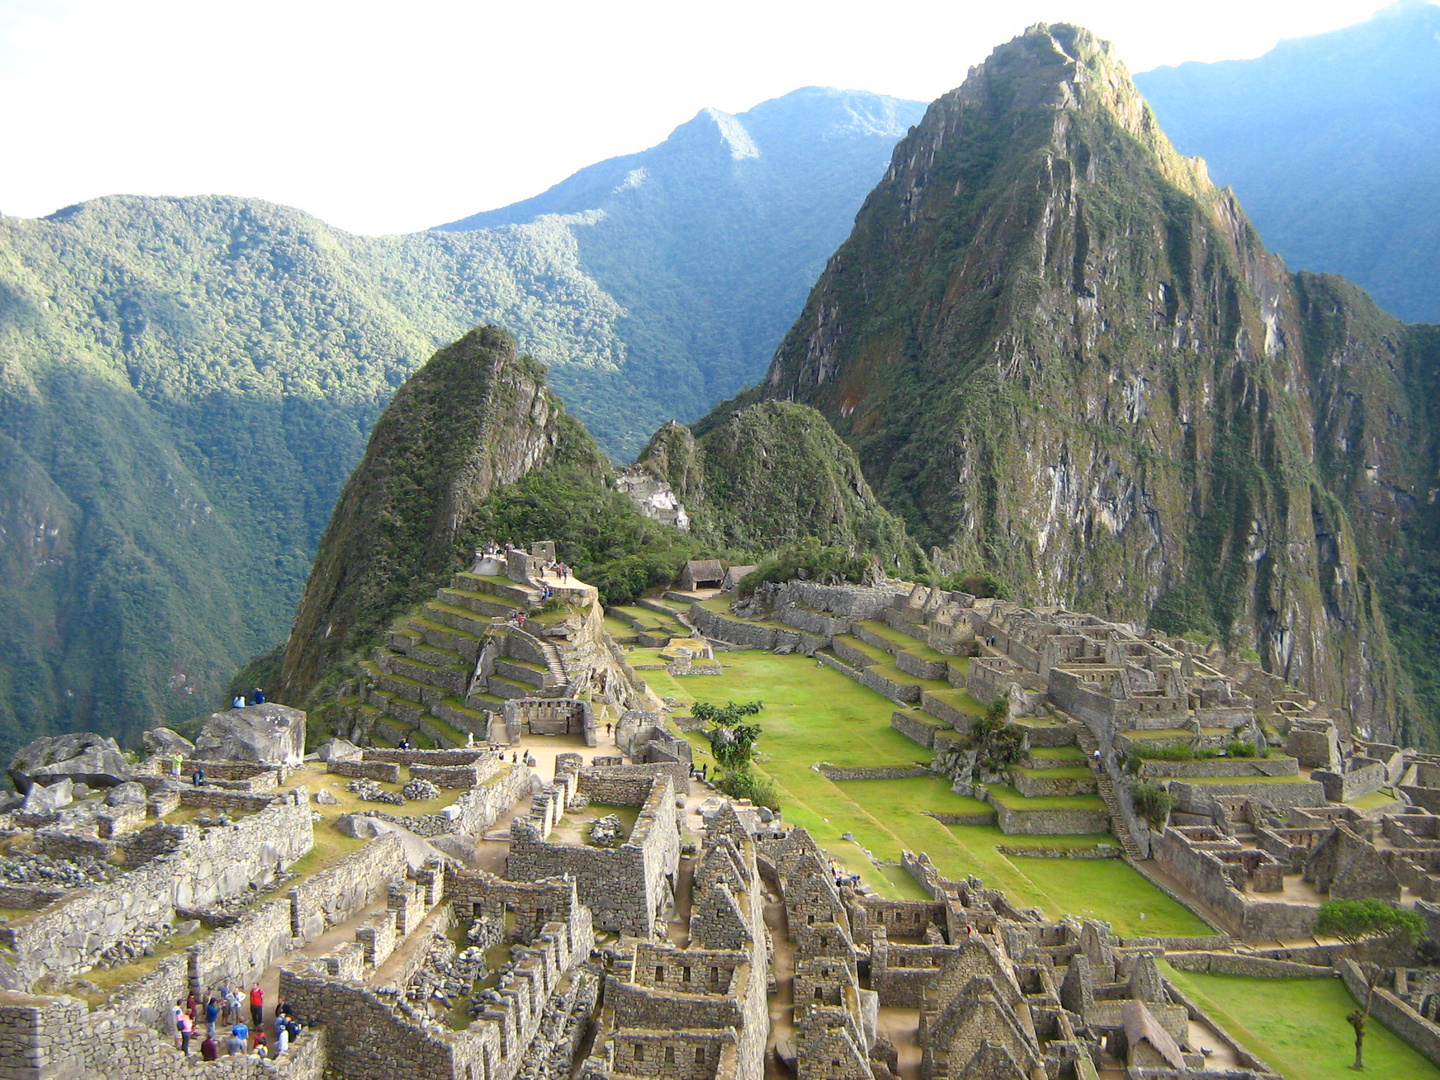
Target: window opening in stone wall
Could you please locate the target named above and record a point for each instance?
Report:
(639, 1052)
(659, 973)
(685, 974)
(669, 1055)
(699, 1055)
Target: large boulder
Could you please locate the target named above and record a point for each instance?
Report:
(163, 740)
(338, 750)
(46, 800)
(265, 734)
(130, 793)
(84, 756)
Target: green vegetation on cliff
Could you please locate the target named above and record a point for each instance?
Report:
(1062, 355)
(773, 475)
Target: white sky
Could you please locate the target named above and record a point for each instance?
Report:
(388, 117)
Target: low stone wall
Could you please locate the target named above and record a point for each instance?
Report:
(384, 772)
(920, 667)
(629, 785)
(751, 635)
(1049, 822)
(958, 720)
(473, 812)
(447, 776)
(1395, 1014)
(212, 798)
(340, 892)
(878, 772)
(851, 655)
(1191, 798)
(463, 756)
(1229, 963)
(1237, 913)
(1099, 851)
(914, 727)
(30, 897)
(1355, 784)
(1274, 765)
(1041, 783)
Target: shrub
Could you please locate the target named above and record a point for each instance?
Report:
(809, 560)
(1240, 748)
(1152, 802)
(743, 784)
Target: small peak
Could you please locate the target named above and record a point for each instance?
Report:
(733, 132)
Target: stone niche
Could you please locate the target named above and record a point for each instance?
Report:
(549, 716)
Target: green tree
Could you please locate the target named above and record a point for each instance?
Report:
(731, 742)
(1372, 931)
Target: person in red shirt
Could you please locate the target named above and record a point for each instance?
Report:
(257, 1006)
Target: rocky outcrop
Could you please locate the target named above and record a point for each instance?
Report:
(1062, 355)
(84, 757)
(268, 734)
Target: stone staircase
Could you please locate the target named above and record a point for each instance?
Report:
(1085, 739)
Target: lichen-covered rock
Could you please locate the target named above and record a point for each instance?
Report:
(83, 756)
(41, 799)
(166, 741)
(267, 734)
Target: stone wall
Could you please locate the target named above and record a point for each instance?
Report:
(1199, 799)
(1238, 914)
(1049, 822)
(958, 720)
(1355, 783)
(473, 812)
(630, 785)
(385, 772)
(207, 865)
(878, 772)
(627, 888)
(751, 635)
(56, 1039)
(1395, 1014)
(1232, 963)
(915, 728)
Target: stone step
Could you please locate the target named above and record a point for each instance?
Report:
(422, 652)
(419, 694)
(402, 710)
(510, 689)
(454, 677)
(462, 717)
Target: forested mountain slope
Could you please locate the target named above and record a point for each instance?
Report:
(1062, 354)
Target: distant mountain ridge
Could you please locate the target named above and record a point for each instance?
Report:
(1332, 142)
(185, 383)
(709, 242)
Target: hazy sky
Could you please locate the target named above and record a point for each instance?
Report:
(395, 116)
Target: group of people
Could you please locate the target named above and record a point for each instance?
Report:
(257, 697)
(560, 570)
(224, 1008)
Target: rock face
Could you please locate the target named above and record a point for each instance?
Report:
(1062, 355)
(266, 734)
(42, 799)
(163, 740)
(130, 793)
(338, 750)
(85, 757)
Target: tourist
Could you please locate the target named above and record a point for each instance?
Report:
(232, 1005)
(607, 730)
(257, 1005)
(199, 778)
(238, 702)
(209, 1051)
(259, 697)
(177, 759)
(236, 1043)
(241, 1031)
(186, 1027)
(261, 1048)
(282, 1038)
(212, 1013)
(404, 743)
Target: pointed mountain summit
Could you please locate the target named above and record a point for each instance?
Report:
(1061, 354)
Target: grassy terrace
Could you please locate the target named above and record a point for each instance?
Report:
(814, 714)
(905, 642)
(1298, 1025)
(1008, 797)
(1058, 753)
(960, 700)
(1373, 801)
